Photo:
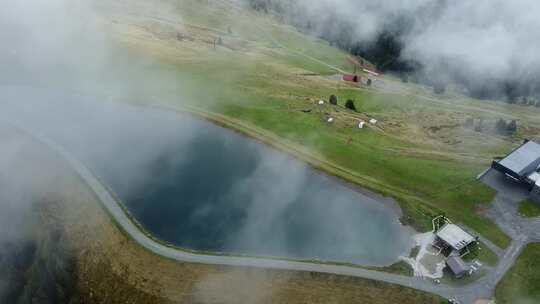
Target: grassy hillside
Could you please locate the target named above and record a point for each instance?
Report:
(520, 285)
(266, 78)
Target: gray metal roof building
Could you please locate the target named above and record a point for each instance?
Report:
(454, 236)
(523, 165)
(521, 162)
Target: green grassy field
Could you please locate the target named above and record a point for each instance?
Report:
(482, 253)
(529, 209)
(521, 283)
(419, 153)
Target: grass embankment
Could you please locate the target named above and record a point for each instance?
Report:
(529, 209)
(111, 268)
(263, 91)
(521, 285)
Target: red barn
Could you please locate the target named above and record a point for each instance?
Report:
(351, 78)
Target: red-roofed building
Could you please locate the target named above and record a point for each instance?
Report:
(351, 78)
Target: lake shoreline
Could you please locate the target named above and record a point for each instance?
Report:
(220, 120)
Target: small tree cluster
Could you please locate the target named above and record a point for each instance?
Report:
(512, 127)
(504, 128)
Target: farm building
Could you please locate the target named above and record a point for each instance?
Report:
(523, 165)
(351, 78)
(453, 237)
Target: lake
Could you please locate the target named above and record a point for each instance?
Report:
(203, 187)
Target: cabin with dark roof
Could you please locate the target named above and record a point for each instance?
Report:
(458, 267)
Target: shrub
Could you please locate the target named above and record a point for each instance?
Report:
(501, 127)
(333, 100)
(512, 127)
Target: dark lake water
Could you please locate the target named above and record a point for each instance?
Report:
(203, 187)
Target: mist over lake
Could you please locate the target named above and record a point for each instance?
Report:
(202, 187)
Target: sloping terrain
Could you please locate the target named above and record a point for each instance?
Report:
(252, 73)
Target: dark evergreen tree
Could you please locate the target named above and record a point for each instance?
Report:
(333, 100)
(350, 105)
